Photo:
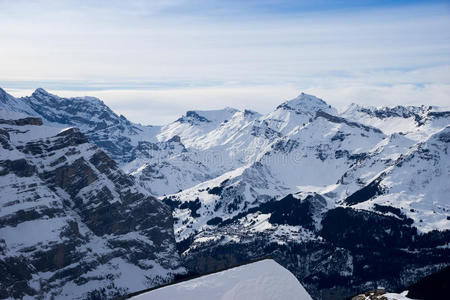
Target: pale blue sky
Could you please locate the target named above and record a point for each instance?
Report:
(152, 60)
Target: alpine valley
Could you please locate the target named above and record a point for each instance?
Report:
(94, 206)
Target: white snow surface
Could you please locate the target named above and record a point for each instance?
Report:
(395, 296)
(263, 280)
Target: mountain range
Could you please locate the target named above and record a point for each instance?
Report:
(94, 205)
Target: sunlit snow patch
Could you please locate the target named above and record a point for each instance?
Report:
(265, 279)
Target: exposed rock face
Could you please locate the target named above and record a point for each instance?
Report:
(22, 122)
(193, 117)
(72, 224)
(336, 119)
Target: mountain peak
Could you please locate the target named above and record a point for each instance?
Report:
(306, 99)
(40, 92)
(207, 116)
(305, 103)
(3, 96)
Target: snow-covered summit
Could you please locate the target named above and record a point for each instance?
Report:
(196, 123)
(80, 111)
(41, 92)
(296, 113)
(308, 104)
(4, 96)
(207, 116)
(11, 107)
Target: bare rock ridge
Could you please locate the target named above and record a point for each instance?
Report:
(23, 122)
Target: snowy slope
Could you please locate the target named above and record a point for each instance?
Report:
(265, 280)
(12, 108)
(295, 113)
(419, 184)
(194, 124)
(416, 122)
(165, 167)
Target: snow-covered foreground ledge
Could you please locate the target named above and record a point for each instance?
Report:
(264, 279)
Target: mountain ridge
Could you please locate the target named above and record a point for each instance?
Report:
(242, 185)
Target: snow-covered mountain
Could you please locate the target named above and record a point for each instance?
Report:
(114, 134)
(72, 224)
(203, 138)
(321, 170)
(346, 201)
